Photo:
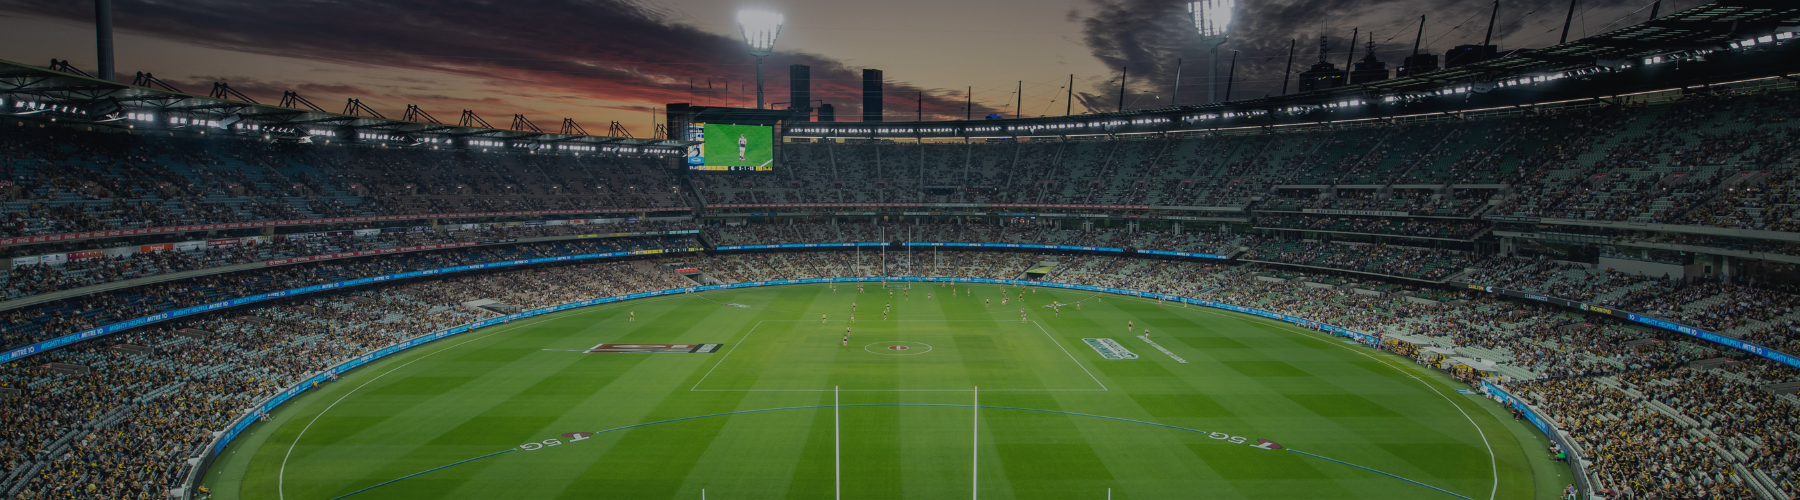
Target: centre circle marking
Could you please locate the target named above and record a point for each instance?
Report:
(897, 348)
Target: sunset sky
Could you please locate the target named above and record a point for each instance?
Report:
(599, 61)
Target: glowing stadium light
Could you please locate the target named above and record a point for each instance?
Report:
(760, 28)
(1211, 18)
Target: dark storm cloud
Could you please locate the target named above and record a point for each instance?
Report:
(617, 50)
(1148, 36)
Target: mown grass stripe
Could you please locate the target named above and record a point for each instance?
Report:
(876, 405)
(1448, 492)
(423, 472)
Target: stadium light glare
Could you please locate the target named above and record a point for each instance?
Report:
(760, 28)
(1211, 19)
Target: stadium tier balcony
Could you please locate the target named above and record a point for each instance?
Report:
(1707, 159)
(40, 322)
(88, 268)
(61, 180)
(947, 232)
(1420, 228)
(1723, 160)
(1410, 262)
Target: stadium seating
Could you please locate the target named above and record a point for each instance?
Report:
(126, 428)
(63, 181)
(37, 323)
(34, 279)
(1385, 227)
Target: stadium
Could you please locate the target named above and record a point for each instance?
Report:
(1566, 271)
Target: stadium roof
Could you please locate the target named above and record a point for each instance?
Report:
(1723, 40)
(1712, 26)
(66, 93)
(1719, 42)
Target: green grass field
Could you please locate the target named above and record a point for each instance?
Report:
(1056, 420)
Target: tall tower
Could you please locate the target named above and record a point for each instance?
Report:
(103, 38)
(1369, 69)
(1323, 75)
(871, 95)
(800, 91)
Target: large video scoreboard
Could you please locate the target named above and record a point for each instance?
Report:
(731, 148)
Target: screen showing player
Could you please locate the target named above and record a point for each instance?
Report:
(725, 147)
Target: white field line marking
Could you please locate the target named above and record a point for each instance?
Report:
(1164, 350)
(928, 348)
(975, 453)
(837, 444)
(895, 315)
(727, 355)
(1493, 462)
(1071, 355)
(709, 372)
(895, 390)
(281, 474)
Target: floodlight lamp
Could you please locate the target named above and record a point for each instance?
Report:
(760, 27)
(1211, 17)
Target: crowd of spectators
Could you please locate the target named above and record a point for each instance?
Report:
(1218, 243)
(125, 429)
(1733, 308)
(1413, 262)
(60, 180)
(37, 323)
(1654, 426)
(1662, 163)
(1425, 228)
(33, 279)
(1714, 159)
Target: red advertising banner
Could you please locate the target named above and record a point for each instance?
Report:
(363, 253)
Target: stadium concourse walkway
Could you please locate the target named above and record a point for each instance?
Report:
(1518, 447)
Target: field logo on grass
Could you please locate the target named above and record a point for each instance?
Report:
(1110, 349)
(648, 348)
(897, 348)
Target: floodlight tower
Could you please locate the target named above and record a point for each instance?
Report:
(760, 27)
(1211, 18)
